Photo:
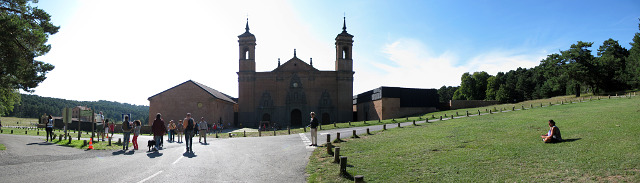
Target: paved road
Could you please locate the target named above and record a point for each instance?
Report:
(250, 159)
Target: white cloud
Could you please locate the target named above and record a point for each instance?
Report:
(410, 63)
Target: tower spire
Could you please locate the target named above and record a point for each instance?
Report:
(344, 24)
(247, 27)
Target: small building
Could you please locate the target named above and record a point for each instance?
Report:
(195, 98)
(394, 102)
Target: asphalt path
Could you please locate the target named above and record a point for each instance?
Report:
(247, 159)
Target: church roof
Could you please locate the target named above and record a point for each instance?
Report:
(295, 64)
(214, 93)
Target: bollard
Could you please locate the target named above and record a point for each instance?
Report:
(445, 115)
(365, 122)
(288, 130)
(531, 106)
(338, 137)
(274, 134)
(522, 107)
(354, 134)
(318, 126)
(343, 165)
(79, 135)
(328, 138)
(216, 134)
(119, 141)
(244, 133)
(485, 110)
(84, 143)
(108, 138)
(433, 116)
(440, 118)
(305, 129)
(60, 138)
(414, 122)
(467, 113)
(70, 141)
(25, 132)
(609, 96)
(540, 104)
(384, 127)
(490, 112)
(398, 125)
(349, 123)
(37, 133)
(334, 124)
(11, 131)
(260, 132)
(336, 155)
(457, 113)
(562, 102)
(329, 148)
(358, 179)
(451, 116)
(368, 132)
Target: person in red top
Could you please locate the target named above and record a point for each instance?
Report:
(158, 129)
(112, 127)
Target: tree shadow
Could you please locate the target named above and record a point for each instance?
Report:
(189, 155)
(41, 143)
(154, 154)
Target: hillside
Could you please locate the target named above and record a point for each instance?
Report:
(601, 146)
(33, 106)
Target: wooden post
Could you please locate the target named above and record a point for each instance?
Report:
(260, 133)
(108, 138)
(349, 123)
(84, 143)
(274, 132)
(60, 138)
(384, 127)
(354, 134)
(109, 141)
(457, 113)
(334, 124)
(433, 116)
(305, 129)
(328, 138)
(440, 118)
(358, 179)
(289, 130)
(336, 155)
(467, 113)
(338, 136)
(398, 125)
(80, 133)
(343, 165)
(414, 122)
(368, 131)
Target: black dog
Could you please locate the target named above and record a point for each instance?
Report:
(152, 143)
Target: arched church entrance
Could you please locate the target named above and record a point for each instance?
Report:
(296, 117)
(326, 119)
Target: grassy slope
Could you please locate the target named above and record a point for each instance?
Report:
(503, 147)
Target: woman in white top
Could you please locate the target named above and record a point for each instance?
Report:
(553, 135)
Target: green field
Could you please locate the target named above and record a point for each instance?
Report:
(13, 121)
(602, 146)
(2, 147)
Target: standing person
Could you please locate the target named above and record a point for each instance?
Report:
(188, 132)
(137, 125)
(314, 130)
(106, 128)
(203, 130)
(126, 132)
(172, 131)
(179, 129)
(112, 127)
(158, 129)
(49, 129)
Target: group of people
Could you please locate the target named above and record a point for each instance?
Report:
(187, 126)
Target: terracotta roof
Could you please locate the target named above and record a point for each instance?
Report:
(211, 91)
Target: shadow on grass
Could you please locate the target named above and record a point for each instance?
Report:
(565, 140)
(41, 143)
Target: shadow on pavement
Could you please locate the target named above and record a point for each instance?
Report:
(154, 154)
(189, 154)
(40, 143)
(130, 152)
(118, 152)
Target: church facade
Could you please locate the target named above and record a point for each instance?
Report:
(286, 95)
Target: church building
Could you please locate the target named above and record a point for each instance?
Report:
(286, 95)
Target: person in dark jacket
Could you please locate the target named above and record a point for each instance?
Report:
(188, 126)
(158, 129)
(314, 129)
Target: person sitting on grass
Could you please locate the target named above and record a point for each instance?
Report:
(553, 135)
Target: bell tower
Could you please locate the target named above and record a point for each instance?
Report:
(246, 76)
(247, 49)
(344, 43)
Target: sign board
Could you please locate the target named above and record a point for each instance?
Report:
(127, 115)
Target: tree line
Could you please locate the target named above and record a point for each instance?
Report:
(572, 71)
(34, 106)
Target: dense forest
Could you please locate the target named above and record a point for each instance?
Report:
(569, 72)
(34, 106)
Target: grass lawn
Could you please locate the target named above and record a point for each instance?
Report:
(42, 132)
(97, 145)
(13, 121)
(602, 146)
(2, 147)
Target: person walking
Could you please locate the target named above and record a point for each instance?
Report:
(172, 131)
(137, 125)
(179, 129)
(203, 130)
(126, 132)
(188, 132)
(314, 130)
(158, 129)
(106, 128)
(49, 129)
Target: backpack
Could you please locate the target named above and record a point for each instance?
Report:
(190, 124)
(126, 125)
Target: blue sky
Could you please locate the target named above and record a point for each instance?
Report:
(127, 51)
